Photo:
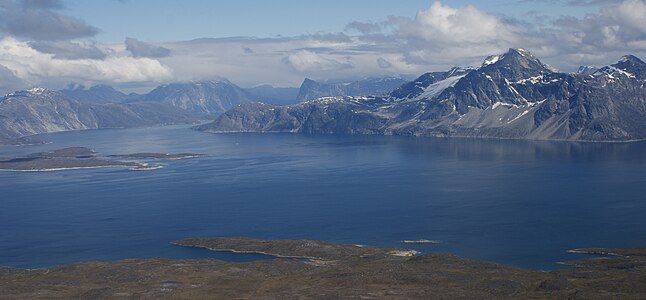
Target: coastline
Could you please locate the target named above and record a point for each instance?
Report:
(316, 269)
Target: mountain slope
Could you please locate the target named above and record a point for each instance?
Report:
(96, 94)
(378, 86)
(512, 95)
(39, 111)
(205, 98)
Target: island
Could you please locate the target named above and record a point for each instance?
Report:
(167, 156)
(65, 159)
(316, 269)
(85, 158)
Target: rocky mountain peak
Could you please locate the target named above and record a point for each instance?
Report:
(631, 65)
(586, 70)
(631, 59)
(515, 64)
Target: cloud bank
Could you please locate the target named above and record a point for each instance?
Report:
(41, 46)
(34, 67)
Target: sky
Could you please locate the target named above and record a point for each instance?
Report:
(138, 44)
(185, 20)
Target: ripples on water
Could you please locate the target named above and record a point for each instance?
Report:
(517, 202)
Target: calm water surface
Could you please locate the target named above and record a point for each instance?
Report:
(515, 202)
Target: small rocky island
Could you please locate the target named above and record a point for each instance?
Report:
(83, 158)
(168, 156)
(314, 269)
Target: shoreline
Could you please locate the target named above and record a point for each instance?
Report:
(316, 269)
(428, 136)
(194, 126)
(75, 158)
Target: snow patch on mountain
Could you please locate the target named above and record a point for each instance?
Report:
(437, 88)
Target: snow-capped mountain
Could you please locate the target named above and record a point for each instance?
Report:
(429, 85)
(512, 95)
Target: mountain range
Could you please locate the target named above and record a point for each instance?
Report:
(41, 110)
(511, 95)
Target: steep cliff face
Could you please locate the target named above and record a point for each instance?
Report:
(512, 95)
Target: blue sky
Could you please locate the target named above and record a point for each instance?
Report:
(138, 44)
(170, 20)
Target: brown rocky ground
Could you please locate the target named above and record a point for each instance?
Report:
(313, 269)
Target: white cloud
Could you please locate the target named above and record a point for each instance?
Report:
(617, 29)
(443, 25)
(308, 61)
(36, 67)
(436, 38)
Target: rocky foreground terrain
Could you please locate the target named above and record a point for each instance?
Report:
(314, 269)
(512, 95)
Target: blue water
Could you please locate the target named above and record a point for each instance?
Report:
(521, 203)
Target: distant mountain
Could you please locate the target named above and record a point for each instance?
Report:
(273, 95)
(77, 107)
(97, 94)
(378, 86)
(512, 95)
(205, 98)
(40, 110)
(586, 70)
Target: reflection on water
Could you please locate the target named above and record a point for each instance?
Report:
(517, 202)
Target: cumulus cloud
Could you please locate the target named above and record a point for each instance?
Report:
(443, 35)
(143, 49)
(70, 49)
(35, 67)
(443, 26)
(38, 20)
(436, 38)
(615, 30)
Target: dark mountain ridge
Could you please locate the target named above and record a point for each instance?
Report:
(513, 95)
